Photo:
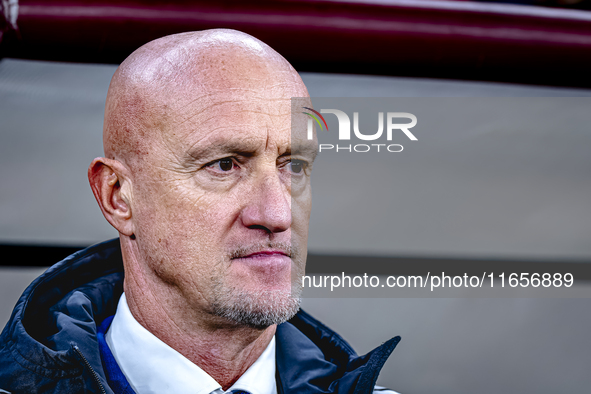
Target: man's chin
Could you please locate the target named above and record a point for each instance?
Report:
(260, 310)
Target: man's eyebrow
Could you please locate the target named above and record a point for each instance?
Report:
(222, 147)
(245, 148)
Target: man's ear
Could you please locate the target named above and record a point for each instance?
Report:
(111, 188)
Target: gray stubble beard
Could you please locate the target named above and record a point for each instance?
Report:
(261, 309)
(257, 310)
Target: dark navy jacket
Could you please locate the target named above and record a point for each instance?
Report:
(50, 344)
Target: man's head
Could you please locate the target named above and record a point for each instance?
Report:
(199, 177)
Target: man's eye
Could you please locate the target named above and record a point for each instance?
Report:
(224, 165)
(297, 166)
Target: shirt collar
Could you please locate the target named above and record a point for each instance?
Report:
(151, 366)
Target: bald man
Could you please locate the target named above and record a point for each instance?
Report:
(211, 197)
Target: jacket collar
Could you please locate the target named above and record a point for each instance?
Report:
(53, 327)
(311, 358)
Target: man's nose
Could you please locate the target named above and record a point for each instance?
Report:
(268, 205)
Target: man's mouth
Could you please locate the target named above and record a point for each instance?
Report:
(271, 259)
(266, 253)
(262, 251)
(267, 260)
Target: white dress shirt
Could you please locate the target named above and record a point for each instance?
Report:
(153, 367)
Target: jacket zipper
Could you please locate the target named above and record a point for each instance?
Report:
(94, 374)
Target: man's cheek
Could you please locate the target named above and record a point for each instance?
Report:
(186, 202)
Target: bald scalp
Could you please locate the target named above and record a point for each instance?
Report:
(167, 74)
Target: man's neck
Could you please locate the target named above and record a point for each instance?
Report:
(223, 350)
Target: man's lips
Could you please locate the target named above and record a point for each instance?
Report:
(265, 260)
(270, 263)
(264, 256)
(265, 253)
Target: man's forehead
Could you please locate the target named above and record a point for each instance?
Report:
(238, 127)
(233, 107)
(236, 121)
(239, 120)
(239, 142)
(199, 98)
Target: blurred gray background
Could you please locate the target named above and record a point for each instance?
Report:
(525, 197)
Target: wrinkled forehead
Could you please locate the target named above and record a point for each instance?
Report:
(246, 105)
(242, 120)
(246, 119)
(244, 98)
